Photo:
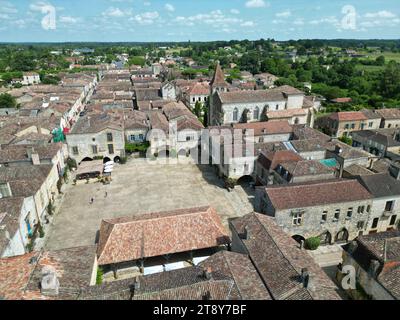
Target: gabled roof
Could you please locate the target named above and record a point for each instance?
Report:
(348, 116)
(381, 185)
(20, 276)
(269, 160)
(279, 260)
(306, 168)
(10, 211)
(232, 277)
(389, 114)
(383, 247)
(240, 268)
(155, 234)
(266, 127)
(260, 96)
(15, 153)
(316, 193)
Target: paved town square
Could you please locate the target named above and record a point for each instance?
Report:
(140, 187)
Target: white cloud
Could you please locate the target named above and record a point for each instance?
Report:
(68, 19)
(284, 14)
(256, 4)
(235, 11)
(7, 7)
(146, 18)
(116, 12)
(298, 22)
(248, 24)
(380, 14)
(169, 7)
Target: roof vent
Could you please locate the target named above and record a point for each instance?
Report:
(49, 285)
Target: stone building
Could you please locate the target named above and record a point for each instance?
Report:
(390, 118)
(97, 135)
(385, 211)
(341, 124)
(282, 103)
(287, 270)
(334, 210)
(376, 260)
(380, 142)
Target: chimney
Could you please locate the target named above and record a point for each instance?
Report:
(305, 278)
(35, 159)
(207, 273)
(338, 150)
(207, 296)
(49, 285)
(373, 268)
(30, 151)
(301, 244)
(352, 247)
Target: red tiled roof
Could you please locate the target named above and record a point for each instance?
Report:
(267, 127)
(279, 260)
(155, 234)
(200, 88)
(271, 159)
(342, 100)
(15, 273)
(348, 116)
(318, 193)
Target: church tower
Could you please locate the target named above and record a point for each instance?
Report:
(217, 84)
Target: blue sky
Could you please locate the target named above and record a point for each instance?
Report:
(196, 20)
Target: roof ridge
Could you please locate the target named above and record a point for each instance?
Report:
(155, 218)
(283, 255)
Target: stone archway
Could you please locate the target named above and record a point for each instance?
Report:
(247, 179)
(326, 238)
(342, 236)
(106, 159)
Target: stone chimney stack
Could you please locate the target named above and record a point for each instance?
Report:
(49, 285)
(207, 273)
(306, 278)
(35, 159)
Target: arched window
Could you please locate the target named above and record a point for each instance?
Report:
(256, 113)
(296, 121)
(235, 114)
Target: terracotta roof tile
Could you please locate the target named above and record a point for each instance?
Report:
(155, 234)
(279, 260)
(316, 193)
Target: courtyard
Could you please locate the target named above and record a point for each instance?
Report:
(139, 187)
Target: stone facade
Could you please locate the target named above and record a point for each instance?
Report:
(90, 145)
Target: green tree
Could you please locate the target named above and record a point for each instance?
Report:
(380, 61)
(7, 101)
(390, 80)
(137, 60)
